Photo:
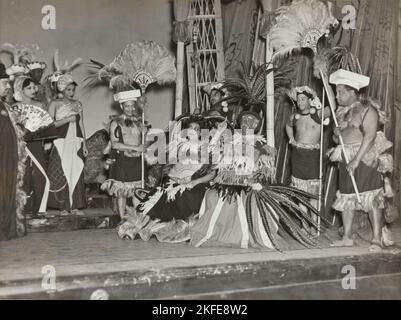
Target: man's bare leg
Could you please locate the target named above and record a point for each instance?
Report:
(376, 219)
(348, 218)
(121, 203)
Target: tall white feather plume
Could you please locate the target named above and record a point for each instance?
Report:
(66, 66)
(141, 63)
(300, 25)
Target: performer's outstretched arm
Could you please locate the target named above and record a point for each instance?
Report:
(206, 178)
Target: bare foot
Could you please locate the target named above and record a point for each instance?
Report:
(343, 243)
(64, 213)
(375, 247)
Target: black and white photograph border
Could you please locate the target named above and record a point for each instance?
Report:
(200, 150)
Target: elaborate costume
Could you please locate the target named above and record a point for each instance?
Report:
(125, 169)
(12, 158)
(362, 161)
(305, 157)
(169, 210)
(66, 162)
(369, 174)
(36, 182)
(243, 209)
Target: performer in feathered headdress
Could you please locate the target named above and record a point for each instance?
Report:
(60, 69)
(66, 162)
(125, 170)
(139, 65)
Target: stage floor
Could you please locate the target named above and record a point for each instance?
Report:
(98, 252)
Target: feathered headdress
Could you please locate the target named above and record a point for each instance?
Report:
(62, 68)
(301, 25)
(22, 55)
(140, 64)
(315, 101)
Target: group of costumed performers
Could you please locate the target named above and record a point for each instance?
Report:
(54, 181)
(359, 125)
(227, 200)
(12, 159)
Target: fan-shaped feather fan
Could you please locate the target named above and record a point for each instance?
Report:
(300, 25)
(142, 63)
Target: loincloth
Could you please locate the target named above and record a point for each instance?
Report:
(305, 162)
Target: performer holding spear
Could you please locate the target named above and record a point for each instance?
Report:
(299, 26)
(138, 65)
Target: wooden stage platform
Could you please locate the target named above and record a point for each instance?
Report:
(88, 260)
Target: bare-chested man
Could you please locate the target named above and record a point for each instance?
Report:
(364, 145)
(126, 144)
(303, 131)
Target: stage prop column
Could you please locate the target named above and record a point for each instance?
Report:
(181, 36)
(268, 20)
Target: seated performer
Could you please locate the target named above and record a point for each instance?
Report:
(223, 219)
(66, 162)
(303, 131)
(217, 96)
(169, 210)
(12, 157)
(244, 208)
(365, 146)
(29, 112)
(125, 172)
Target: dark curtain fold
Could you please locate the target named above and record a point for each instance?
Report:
(239, 31)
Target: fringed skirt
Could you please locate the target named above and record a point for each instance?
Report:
(167, 214)
(369, 181)
(226, 222)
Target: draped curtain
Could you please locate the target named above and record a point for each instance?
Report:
(240, 18)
